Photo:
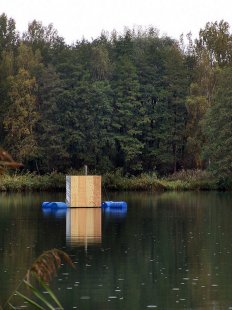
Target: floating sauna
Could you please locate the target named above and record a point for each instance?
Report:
(83, 191)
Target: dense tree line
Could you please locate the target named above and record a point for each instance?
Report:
(134, 101)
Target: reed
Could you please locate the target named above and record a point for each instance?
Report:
(20, 182)
(115, 181)
(183, 181)
(37, 278)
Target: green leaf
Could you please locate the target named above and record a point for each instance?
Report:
(32, 302)
(39, 295)
(50, 292)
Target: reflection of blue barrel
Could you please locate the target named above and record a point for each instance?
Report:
(115, 209)
(47, 211)
(54, 205)
(55, 212)
(114, 204)
(59, 213)
(117, 213)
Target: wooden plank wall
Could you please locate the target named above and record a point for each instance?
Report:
(83, 191)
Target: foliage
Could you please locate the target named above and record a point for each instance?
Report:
(190, 175)
(21, 117)
(218, 125)
(180, 181)
(133, 101)
(32, 182)
(113, 181)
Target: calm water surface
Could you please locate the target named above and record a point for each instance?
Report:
(168, 251)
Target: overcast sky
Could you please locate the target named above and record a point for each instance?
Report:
(77, 18)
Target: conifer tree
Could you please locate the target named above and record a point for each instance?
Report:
(127, 116)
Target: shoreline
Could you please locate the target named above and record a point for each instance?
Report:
(56, 182)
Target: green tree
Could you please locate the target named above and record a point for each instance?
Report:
(85, 117)
(6, 70)
(127, 116)
(211, 53)
(150, 60)
(45, 39)
(218, 126)
(22, 112)
(22, 116)
(213, 50)
(9, 37)
(51, 154)
(197, 106)
(216, 40)
(100, 63)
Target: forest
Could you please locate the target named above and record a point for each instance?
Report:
(136, 102)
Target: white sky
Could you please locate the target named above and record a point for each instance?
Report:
(77, 18)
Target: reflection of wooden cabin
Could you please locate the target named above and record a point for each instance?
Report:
(83, 226)
(83, 191)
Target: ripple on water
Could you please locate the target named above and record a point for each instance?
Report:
(112, 297)
(84, 297)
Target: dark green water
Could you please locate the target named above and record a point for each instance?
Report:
(168, 251)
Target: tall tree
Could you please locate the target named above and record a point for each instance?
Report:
(218, 126)
(9, 37)
(127, 116)
(211, 53)
(44, 38)
(197, 106)
(22, 114)
(21, 117)
(51, 153)
(216, 40)
(6, 70)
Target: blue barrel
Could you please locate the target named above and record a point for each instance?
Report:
(54, 205)
(58, 205)
(114, 204)
(45, 204)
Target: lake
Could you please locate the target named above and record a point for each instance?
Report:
(166, 251)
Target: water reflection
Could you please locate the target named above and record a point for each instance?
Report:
(57, 213)
(115, 214)
(83, 226)
(169, 251)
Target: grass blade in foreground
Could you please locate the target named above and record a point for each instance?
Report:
(51, 294)
(30, 301)
(38, 294)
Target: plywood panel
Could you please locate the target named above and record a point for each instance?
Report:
(96, 191)
(83, 191)
(89, 192)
